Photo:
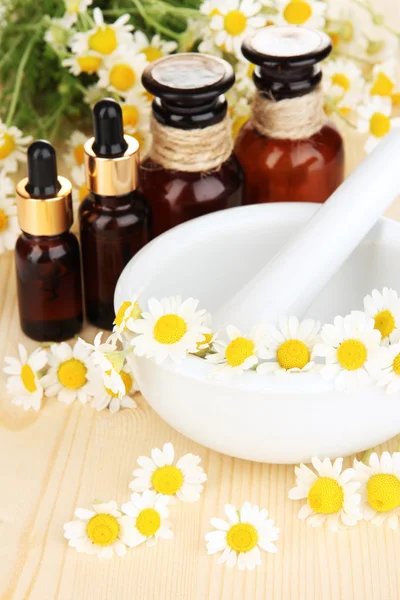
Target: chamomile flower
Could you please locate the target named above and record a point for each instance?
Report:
(331, 494)
(232, 21)
(110, 360)
(72, 374)
(87, 62)
(149, 512)
(152, 49)
(241, 537)
(350, 347)
(170, 329)
(121, 73)
(13, 147)
(126, 315)
(158, 473)
(384, 308)
(206, 345)
(9, 229)
(106, 398)
(105, 38)
(24, 381)
(239, 354)
(375, 119)
(388, 375)
(290, 346)
(343, 79)
(380, 46)
(75, 7)
(93, 94)
(380, 488)
(240, 112)
(136, 110)
(76, 154)
(341, 25)
(310, 13)
(383, 79)
(58, 34)
(102, 531)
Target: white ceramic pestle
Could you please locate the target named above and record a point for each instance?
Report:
(289, 283)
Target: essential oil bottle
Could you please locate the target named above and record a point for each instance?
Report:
(191, 169)
(288, 149)
(115, 218)
(47, 253)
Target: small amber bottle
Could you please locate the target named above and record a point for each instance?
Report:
(288, 149)
(115, 218)
(191, 170)
(47, 253)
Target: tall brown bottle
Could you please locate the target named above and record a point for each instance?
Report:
(289, 151)
(191, 170)
(115, 219)
(47, 253)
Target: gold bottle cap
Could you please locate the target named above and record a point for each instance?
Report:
(112, 176)
(45, 217)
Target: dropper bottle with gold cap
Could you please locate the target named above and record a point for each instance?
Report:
(115, 220)
(47, 253)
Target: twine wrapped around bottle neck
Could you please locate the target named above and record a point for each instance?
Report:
(292, 118)
(193, 150)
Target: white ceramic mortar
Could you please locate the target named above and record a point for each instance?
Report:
(261, 418)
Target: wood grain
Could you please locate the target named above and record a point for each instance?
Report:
(65, 457)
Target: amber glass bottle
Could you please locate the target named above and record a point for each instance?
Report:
(289, 151)
(47, 253)
(191, 170)
(115, 220)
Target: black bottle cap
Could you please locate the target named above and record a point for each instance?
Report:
(42, 170)
(188, 89)
(109, 141)
(287, 59)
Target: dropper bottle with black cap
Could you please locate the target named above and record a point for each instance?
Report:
(115, 219)
(47, 253)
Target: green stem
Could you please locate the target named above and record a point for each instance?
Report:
(18, 80)
(365, 61)
(11, 50)
(374, 16)
(154, 23)
(335, 109)
(179, 10)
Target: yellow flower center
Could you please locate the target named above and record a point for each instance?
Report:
(207, 339)
(235, 22)
(347, 31)
(383, 492)
(352, 354)
(130, 115)
(3, 220)
(379, 125)
(139, 137)
(293, 354)
(238, 350)
(238, 124)
(169, 329)
(335, 39)
(396, 364)
(325, 496)
(79, 154)
(148, 522)
(297, 12)
(83, 192)
(167, 480)
(72, 374)
(72, 6)
(7, 145)
(341, 80)
(242, 537)
(152, 53)
(122, 77)
(127, 381)
(385, 323)
(28, 378)
(121, 313)
(103, 529)
(89, 64)
(104, 40)
(382, 86)
(395, 98)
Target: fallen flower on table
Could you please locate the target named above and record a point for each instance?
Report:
(241, 537)
(183, 480)
(24, 377)
(379, 483)
(149, 513)
(330, 492)
(102, 531)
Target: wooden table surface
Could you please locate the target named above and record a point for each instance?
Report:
(66, 456)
